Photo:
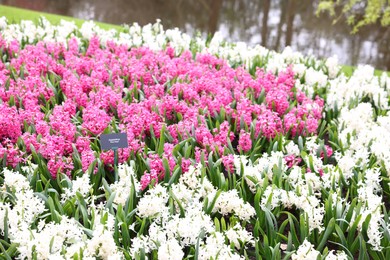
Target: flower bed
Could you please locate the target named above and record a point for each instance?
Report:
(234, 151)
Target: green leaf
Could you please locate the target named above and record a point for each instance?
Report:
(300, 143)
(345, 249)
(12, 250)
(54, 214)
(83, 208)
(200, 237)
(5, 253)
(293, 232)
(212, 204)
(257, 202)
(167, 169)
(341, 235)
(363, 249)
(106, 186)
(162, 141)
(175, 176)
(217, 225)
(143, 224)
(328, 231)
(352, 231)
(5, 227)
(365, 226)
(69, 208)
(288, 255)
(110, 201)
(182, 211)
(125, 235)
(223, 224)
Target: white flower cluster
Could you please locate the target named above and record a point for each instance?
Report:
(215, 246)
(169, 227)
(292, 148)
(340, 255)
(127, 181)
(153, 203)
(28, 32)
(307, 184)
(369, 194)
(229, 202)
(363, 135)
(170, 250)
(15, 181)
(310, 204)
(26, 208)
(267, 163)
(238, 235)
(171, 232)
(305, 251)
(29, 168)
(315, 78)
(48, 240)
(254, 173)
(102, 244)
(80, 185)
(306, 187)
(342, 90)
(189, 188)
(324, 175)
(53, 240)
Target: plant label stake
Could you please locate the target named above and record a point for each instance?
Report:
(114, 142)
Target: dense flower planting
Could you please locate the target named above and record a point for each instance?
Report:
(234, 152)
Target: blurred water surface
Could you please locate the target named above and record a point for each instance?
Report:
(273, 24)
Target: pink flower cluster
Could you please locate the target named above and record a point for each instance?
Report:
(65, 96)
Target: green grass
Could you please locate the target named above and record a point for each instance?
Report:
(348, 71)
(15, 15)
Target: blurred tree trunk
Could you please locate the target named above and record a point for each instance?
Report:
(290, 20)
(264, 29)
(214, 16)
(280, 25)
(355, 49)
